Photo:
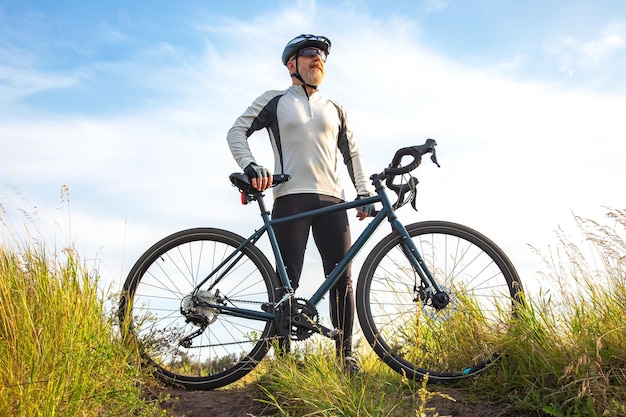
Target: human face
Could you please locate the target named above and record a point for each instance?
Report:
(311, 68)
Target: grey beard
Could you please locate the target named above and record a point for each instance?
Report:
(312, 77)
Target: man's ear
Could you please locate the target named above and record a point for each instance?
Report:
(291, 66)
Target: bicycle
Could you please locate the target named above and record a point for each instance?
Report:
(206, 305)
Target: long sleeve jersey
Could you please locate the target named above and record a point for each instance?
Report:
(306, 134)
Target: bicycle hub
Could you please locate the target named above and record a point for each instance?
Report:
(440, 300)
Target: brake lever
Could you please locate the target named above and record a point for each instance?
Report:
(431, 143)
(414, 196)
(433, 158)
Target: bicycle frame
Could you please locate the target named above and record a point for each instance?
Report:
(208, 335)
(387, 212)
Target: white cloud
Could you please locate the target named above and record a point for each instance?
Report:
(587, 52)
(517, 156)
(18, 79)
(431, 6)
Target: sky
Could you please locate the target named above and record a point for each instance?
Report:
(113, 115)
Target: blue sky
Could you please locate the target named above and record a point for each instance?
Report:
(128, 105)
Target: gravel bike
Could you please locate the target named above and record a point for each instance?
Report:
(205, 305)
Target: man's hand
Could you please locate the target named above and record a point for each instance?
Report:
(260, 177)
(366, 210)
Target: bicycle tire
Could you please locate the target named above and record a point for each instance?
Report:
(154, 295)
(413, 337)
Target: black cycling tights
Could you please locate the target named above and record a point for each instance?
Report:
(331, 233)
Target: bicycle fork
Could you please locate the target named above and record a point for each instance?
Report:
(427, 288)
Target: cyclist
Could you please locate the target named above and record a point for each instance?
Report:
(307, 132)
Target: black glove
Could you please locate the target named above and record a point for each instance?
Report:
(256, 171)
(366, 208)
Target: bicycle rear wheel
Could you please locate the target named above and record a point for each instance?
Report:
(402, 323)
(190, 344)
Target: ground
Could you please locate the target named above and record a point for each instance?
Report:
(233, 402)
(243, 402)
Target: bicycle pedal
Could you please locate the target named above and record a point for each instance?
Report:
(333, 333)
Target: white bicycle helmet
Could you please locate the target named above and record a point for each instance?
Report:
(304, 41)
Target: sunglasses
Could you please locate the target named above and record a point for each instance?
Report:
(312, 52)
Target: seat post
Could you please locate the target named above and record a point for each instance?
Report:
(261, 201)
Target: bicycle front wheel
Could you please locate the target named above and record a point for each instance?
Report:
(188, 342)
(418, 335)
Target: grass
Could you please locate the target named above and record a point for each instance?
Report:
(565, 355)
(310, 383)
(59, 352)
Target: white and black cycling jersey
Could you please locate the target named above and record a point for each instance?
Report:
(307, 134)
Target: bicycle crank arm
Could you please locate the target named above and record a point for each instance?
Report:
(306, 322)
(329, 333)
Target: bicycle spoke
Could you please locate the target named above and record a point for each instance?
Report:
(180, 327)
(413, 334)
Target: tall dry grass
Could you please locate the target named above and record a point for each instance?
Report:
(566, 356)
(60, 354)
(310, 382)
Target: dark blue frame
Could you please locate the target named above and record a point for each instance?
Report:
(386, 212)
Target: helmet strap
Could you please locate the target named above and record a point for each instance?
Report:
(299, 78)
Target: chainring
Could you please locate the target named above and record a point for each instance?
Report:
(297, 319)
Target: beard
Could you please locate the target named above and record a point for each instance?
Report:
(313, 76)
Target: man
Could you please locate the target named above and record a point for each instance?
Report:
(307, 132)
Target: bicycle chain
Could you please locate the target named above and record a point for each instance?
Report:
(244, 301)
(266, 339)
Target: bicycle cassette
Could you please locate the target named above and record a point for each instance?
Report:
(197, 313)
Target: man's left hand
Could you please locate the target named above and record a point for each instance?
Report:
(366, 210)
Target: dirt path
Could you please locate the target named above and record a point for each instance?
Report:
(242, 402)
(234, 402)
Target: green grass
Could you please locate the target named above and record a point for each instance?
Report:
(310, 383)
(565, 355)
(59, 353)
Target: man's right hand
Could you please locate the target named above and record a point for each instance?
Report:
(260, 177)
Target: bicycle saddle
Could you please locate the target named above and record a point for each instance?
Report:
(242, 181)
